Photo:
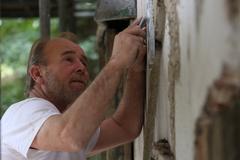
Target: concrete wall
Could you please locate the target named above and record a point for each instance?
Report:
(200, 37)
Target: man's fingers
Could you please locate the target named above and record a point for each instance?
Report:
(140, 43)
(137, 31)
(139, 64)
(144, 29)
(136, 21)
(140, 40)
(142, 49)
(141, 54)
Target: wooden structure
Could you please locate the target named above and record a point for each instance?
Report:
(44, 15)
(194, 79)
(47, 9)
(193, 87)
(192, 109)
(24, 8)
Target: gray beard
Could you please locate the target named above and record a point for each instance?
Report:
(59, 94)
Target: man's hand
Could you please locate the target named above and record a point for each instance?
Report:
(129, 47)
(85, 115)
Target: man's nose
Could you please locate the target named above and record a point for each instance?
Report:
(80, 67)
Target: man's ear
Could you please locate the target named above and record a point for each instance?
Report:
(35, 72)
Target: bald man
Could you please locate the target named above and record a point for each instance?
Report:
(63, 118)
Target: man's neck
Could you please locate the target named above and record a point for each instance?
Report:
(39, 92)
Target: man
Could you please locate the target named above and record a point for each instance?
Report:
(62, 119)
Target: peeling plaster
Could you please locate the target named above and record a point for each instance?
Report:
(152, 103)
(222, 106)
(174, 62)
(159, 19)
(233, 13)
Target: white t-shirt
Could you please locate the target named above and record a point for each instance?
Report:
(19, 126)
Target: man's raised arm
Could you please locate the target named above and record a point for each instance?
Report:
(72, 130)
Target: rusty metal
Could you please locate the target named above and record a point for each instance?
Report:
(108, 10)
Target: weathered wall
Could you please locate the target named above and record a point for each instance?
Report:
(200, 37)
(209, 35)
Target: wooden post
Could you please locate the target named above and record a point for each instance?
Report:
(44, 14)
(128, 154)
(66, 15)
(62, 15)
(105, 38)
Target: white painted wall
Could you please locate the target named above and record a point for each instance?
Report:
(209, 48)
(204, 47)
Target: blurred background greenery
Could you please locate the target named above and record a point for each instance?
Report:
(16, 38)
(20, 27)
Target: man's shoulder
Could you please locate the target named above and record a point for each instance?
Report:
(28, 105)
(21, 122)
(28, 102)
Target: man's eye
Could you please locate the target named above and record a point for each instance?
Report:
(69, 59)
(84, 63)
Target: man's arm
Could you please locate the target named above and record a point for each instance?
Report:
(72, 130)
(126, 123)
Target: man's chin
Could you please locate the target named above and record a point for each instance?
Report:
(77, 87)
(76, 92)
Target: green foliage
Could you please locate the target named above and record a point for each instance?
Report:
(88, 45)
(16, 38)
(12, 91)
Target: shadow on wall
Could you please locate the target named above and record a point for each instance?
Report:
(218, 129)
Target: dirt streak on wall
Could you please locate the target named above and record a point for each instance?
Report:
(174, 62)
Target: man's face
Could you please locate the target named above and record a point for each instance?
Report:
(66, 75)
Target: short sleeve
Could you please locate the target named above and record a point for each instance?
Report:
(22, 121)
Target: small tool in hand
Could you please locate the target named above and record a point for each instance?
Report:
(143, 22)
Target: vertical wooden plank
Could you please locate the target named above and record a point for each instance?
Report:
(116, 153)
(105, 39)
(128, 155)
(174, 66)
(44, 14)
(139, 142)
(100, 47)
(141, 8)
(62, 10)
(151, 107)
(66, 16)
(154, 10)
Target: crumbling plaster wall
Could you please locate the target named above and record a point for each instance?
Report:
(200, 37)
(209, 39)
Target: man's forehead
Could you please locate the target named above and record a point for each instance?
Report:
(61, 45)
(61, 42)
